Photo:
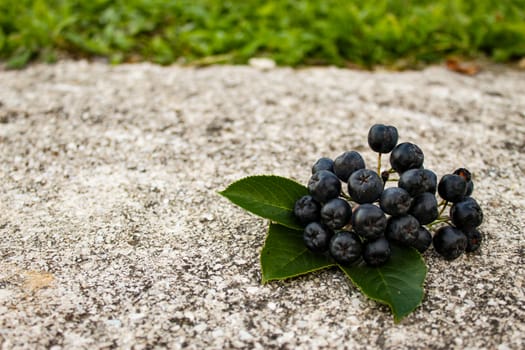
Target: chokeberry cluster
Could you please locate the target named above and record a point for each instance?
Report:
(363, 222)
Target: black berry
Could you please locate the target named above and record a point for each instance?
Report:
(345, 247)
(306, 210)
(395, 201)
(425, 208)
(324, 185)
(470, 188)
(369, 221)
(406, 156)
(336, 213)
(474, 238)
(323, 164)
(376, 253)
(385, 175)
(365, 186)
(452, 188)
(417, 181)
(466, 215)
(423, 240)
(465, 173)
(449, 242)
(382, 138)
(402, 229)
(316, 237)
(347, 163)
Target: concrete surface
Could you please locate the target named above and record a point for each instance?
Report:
(113, 235)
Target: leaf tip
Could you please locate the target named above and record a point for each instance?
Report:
(399, 318)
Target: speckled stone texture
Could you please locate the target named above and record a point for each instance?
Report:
(114, 236)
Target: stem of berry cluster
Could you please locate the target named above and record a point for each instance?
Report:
(345, 196)
(379, 164)
(444, 204)
(439, 220)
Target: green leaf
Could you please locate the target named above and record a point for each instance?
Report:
(19, 60)
(284, 255)
(398, 284)
(271, 197)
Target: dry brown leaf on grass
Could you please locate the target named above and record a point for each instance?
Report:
(457, 66)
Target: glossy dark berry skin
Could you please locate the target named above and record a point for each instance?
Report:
(377, 253)
(452, 188)
(323, 164)
(465, 173)
(474, 239)
(449, 242)
(347, 163)
(406, 156)
(423, 240)
(316, 237)
(467, 214)
(324, 185)
(365, 186)
(336, 213)
(382, 138)
(425, 208)
(345, 247)
(470, 188)
(402, 229)
(306, 210)
(369, 221)
(417, 181)
(385, 175)
(395, 201)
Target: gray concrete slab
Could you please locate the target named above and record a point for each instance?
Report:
(113, 235)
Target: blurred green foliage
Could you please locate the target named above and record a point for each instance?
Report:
(360, 32)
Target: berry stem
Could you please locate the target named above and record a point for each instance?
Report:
(391, 170)
(439, 220)
(345, 196)
(444, 203)
(393, 180)
(379, 164)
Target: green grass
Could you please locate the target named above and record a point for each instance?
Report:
(364, 33)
